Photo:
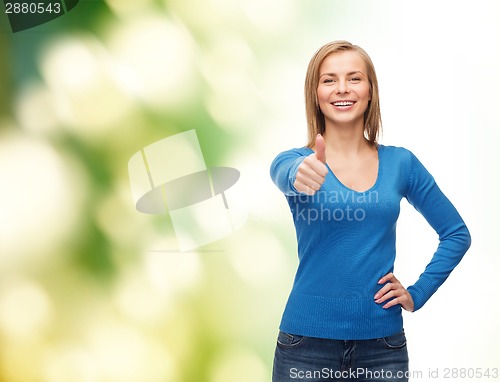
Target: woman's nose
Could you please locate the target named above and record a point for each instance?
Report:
(342, 87)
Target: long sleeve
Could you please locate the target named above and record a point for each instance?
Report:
(454, 237)
(284, 169)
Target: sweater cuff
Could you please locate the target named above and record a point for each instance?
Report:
(417, 304)
(420, 292)
(293, 175)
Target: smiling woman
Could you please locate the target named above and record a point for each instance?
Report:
(323, 78)
(343, 96)
(345, 308)
(343, 91)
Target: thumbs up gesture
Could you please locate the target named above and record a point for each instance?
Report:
(312, 171)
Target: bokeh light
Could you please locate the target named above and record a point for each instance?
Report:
(79, 72)
(35, 109)
(155, 56)
(25, 310)
(38, 186)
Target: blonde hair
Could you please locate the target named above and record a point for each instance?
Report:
(314, 115)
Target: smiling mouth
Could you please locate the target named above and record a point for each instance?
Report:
(343, 103)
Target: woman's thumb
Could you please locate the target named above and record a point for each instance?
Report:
(320, 148)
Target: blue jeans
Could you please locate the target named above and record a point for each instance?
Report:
(299, 358)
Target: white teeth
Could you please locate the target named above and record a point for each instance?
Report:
(344, 103)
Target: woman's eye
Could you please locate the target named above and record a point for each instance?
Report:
(355, 79)
(327, 80)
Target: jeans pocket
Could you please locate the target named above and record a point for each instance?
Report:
(396, 341)
(287, 340)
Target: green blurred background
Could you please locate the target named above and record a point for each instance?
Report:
(93, 290)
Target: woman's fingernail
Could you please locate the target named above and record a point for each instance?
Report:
(376, 296)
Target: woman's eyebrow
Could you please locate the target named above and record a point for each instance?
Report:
(349, 74)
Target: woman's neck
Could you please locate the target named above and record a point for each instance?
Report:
(346, 140)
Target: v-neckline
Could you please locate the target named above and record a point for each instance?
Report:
(373, 186)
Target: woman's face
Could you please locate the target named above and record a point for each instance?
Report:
(343, 89)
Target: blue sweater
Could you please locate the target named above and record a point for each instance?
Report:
(347, 242)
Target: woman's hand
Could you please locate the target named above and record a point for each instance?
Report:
(312, 171)
(395, 291)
